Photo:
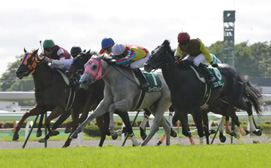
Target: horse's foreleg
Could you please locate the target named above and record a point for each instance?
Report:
(121, 105)
(34, 111)
(75, 116)
(167, 128)
(100, 110)
(198, 121)
(185, 128)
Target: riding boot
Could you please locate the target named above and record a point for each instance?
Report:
(207, 73)
(143, 81)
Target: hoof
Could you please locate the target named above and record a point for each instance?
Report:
(75, 136)
(15, 137)
(247, 132)
(39, 134)
(67, 130)
(222, 138)
(173, 133)
(258, 132)
(42, 140)
(55, 133)
(114, 136)
(143, 134)
(158, 143)
(212, 131)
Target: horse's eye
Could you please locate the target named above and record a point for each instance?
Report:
(29, 61)
(94, 67)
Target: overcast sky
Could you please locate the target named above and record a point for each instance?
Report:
(23, 23)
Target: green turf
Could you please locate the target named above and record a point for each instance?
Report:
(198, 156)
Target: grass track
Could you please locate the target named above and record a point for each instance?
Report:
(211, 156)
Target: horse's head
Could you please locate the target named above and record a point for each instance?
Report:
(159, 56)
(77, 66)
(28, 64)
(94, 70)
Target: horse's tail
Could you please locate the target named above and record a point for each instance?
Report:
(253, 94)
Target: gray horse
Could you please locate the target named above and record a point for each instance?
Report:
(122, 92)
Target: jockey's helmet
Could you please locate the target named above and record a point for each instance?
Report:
(183, 37)
(107, 42)
(118, 49)
(75, 50)
(48, 44)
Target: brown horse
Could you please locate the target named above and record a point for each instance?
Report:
(51, 91)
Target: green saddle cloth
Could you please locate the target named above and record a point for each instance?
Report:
(155, 84)
(220, 80)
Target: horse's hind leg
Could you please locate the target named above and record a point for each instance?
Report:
(253, 127)
(55, 113)
(34, 111)
(39, 132)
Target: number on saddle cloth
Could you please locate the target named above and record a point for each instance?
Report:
(155, 84)
(220, 80)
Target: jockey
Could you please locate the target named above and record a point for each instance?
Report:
(57, 56)
(107, 44)
(197, 53)
(75, 51)
(132, 56)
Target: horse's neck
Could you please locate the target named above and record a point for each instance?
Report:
(43, 76)
(170, 72)
(115, 75)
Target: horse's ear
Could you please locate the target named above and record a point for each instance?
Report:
(25, 50)
(166, 42)
(88, 51)
(36, 51)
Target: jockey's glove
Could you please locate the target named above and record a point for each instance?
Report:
(49, 60)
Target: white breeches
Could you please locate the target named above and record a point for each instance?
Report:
(140, 63)
(197, 60)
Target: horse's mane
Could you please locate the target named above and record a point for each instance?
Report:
(107, 58)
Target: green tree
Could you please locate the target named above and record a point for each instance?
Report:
(217, 49)
(9, 81)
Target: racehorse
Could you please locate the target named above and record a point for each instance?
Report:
(187, 91)
(128, 99)
(77, 67)
(51, 91)
(88, 101)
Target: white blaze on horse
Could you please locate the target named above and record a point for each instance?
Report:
(122, 92)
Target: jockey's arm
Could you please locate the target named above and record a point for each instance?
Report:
(126, 59)
(61, 61)
(205, 52)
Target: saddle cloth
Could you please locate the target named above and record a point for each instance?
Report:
(219, 82)
(155, 84)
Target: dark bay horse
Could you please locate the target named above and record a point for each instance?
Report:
(187, 91)
(51, 91)
(118, 98)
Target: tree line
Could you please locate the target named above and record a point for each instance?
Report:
(252, 60)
